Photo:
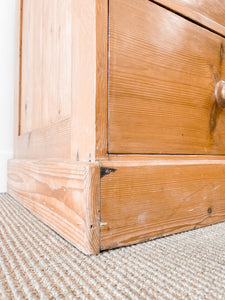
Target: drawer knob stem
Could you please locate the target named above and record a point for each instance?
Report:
(220, 93)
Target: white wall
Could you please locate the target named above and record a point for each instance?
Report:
(7, 38)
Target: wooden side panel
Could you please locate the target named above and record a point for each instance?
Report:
(65, 195)
(84, 79)
(52, 142)
(162, 75)
(207, 13)
(61, 80)
(141, 200)
(43, 80)
(46, 63)
(101, 79)
(89, 77)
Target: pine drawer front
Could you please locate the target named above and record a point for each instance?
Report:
(209, 14)
(163, 70)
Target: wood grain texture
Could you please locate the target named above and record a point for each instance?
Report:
(162, 75)
(207, 13)
(141, 200)
(46, 67)
(84, 80)
(43, 126)
(65, 195)
(61, 80)
(51, 142)
(147, 157)
(101, 79)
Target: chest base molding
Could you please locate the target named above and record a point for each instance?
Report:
(108, 204)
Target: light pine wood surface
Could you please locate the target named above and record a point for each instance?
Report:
(65, 195)
(118, 136)
(46, 63)
(43, 80)
(101, 80)
(141, 200)
(162, 76)
(61, 80)
(84, 80)
(206, 13)
(53, 141)
(134, 157)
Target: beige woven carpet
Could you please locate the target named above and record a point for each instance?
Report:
(36, 263)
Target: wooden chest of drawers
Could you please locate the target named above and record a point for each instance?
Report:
(119, 118)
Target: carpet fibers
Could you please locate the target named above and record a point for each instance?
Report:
(36, 263)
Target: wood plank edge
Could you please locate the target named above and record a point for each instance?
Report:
(181, 194)
(193, 15)
(65, 195)
(101, 145)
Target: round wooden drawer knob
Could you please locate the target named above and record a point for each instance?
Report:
(220, 93)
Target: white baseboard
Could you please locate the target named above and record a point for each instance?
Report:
(4, 156)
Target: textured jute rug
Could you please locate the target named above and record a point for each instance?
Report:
(36, 263)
